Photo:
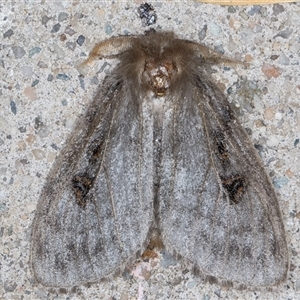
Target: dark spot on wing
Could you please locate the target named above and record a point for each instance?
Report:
(221, 145)
(234, 186)
(82, 184)
(97, 149)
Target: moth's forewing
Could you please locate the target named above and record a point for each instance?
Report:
(219, 210)
(95, 210)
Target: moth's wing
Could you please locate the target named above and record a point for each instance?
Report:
(107, 163)
(218, 207)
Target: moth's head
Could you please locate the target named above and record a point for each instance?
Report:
(158, 61)
(158, 74)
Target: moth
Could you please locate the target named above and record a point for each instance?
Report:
(159, 154)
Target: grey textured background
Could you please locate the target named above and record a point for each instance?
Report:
(42, 95)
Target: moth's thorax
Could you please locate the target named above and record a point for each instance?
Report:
(158, 74)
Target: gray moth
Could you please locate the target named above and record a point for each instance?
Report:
(159, 154)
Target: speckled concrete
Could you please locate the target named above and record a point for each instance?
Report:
(42, 94)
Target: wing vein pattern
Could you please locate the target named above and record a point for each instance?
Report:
(222, 236)
(78, 228)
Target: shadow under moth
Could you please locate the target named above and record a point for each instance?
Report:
(159, 154)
